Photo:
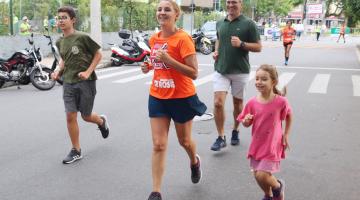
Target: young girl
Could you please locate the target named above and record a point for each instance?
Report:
(266, 112)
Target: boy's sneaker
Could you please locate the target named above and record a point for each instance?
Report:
(279, 193)
(219, 143)
(104, 128)
(235, 137)
(196, 171)
(155, 196)
(73, 156)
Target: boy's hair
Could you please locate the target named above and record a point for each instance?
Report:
(274, 76)
(69, 10)
(175, 6)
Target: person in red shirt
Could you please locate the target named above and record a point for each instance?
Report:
(172, 92)
(288, 34)
(342, 33)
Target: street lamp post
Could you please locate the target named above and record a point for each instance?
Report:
(11, 18)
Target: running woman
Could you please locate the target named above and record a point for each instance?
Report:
(172, 92)
(288, 34)
(265, 113)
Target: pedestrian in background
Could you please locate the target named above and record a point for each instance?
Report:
(288, 34)
(342, 32)
(237, 35)
(25, 27)
(46, 24)
(79, 57)
(317, 31)
(172, 92)
(265, 114)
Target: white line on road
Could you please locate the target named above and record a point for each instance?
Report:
(108, 69)
(203, 80)
(133, 78)
(252, 75)
(358, 53)
(309, 68)
(118, 73)
(319, 84)
(284, 79)
(356, 85)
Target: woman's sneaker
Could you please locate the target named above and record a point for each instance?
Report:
(196, 171)
(155, 196)
(73, 156)
(279, 193)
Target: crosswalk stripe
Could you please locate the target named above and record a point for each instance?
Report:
(319, 84)
(252, 75)
(118, 73)
(133, 78)
(356, 85)
(284, 79)
(203, 80)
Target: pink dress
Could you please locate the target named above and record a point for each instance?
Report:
(266, 149)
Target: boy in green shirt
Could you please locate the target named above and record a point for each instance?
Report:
(79, 57)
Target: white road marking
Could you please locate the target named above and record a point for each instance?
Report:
(319, 84)
(203, 80)
(284, 79)
(118, 73)
(133, 78)
(356, 85)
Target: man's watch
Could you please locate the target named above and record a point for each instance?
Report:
(242, 44)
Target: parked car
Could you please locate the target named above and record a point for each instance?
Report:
(209, 30)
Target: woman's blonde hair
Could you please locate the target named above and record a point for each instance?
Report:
(271, 69)
(175, 6)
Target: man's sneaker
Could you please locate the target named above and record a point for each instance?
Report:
(196, 171)
(286, 62)
(219, 143)
(73, 156)
(104, 128)
(155, 196)
(235, 137)
(279, 193)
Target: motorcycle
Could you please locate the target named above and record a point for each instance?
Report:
(202, 43)
(130, 50)
(24, 67)
(56, 55)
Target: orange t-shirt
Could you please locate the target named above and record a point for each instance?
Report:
(288, 34)
(342, 30)
(167, 82)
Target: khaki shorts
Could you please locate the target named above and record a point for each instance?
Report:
(237, 83)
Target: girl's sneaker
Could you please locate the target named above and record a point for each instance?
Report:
(155, 196)
(279, 193)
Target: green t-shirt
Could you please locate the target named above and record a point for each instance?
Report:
(26, 27)
(77, 51)
(234, 60)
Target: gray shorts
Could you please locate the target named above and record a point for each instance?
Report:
(237, 83)
(79, 97)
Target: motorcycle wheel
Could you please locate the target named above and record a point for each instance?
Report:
(24, 80)
(2, 83)
(42, 81)
(116, 63)
(206, 48)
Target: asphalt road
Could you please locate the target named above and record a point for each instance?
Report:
(323, 163)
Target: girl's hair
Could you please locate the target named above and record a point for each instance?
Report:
(274, 76)
(175, 6)
(69, 10)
